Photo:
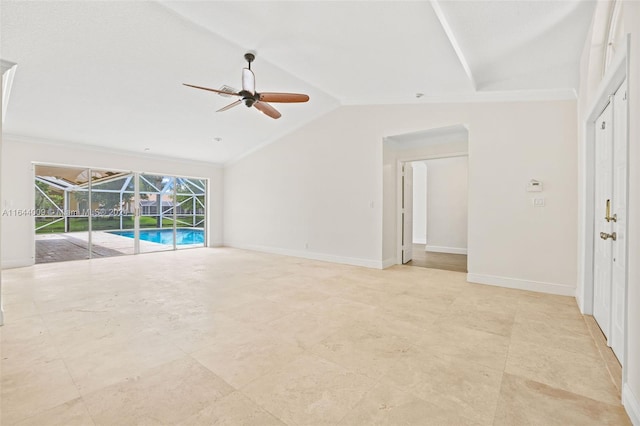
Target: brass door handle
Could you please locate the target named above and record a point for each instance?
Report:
(606, 236)
(608, 216)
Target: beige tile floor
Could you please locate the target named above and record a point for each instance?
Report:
(224, 336)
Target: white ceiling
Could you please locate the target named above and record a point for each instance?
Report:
(111, 73)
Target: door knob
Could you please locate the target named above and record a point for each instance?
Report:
(606, 236)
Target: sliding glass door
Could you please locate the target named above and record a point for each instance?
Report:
(157, 213)
(190, 212)
(61, 213)
(85, 213)
(112, 213)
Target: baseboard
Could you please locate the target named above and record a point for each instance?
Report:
(17, 263)
(537, 286)
(419, 241)
(375, 264)
(1, 315)
(389, 262)
(579, 302)
(631, 404)
(442, 249)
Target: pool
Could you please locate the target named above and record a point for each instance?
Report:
(184, 236)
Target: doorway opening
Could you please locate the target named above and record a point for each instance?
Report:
(425, 198)
(437, 197)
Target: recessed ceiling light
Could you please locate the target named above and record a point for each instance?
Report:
(147, 149)
(419, 95)
(218, 139)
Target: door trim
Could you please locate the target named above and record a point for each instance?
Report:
(610, 83)
(612, 80)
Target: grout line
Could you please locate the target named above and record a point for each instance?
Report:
(606, 353)
(66, 366)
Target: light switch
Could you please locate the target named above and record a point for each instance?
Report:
(538, 202)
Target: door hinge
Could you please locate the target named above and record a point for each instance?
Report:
(604, 124)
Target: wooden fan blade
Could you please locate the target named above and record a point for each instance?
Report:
(231, 105)
(267, 109)
(248, 81)
(221, 92)
(283, 97)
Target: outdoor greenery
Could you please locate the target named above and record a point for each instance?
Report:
(121, 201)
(77, 224)
(42, 203)
(106, 200)
(185, 201)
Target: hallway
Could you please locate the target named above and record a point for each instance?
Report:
(445, 261)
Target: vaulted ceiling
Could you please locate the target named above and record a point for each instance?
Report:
(111, 73)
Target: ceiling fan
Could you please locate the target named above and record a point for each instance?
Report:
(250, 97)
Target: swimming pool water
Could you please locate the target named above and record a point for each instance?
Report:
(165, 236)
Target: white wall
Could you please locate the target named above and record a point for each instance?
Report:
(313, 193)
(591, 73)
(447, 205)
(18, 246)
(419, 202)
(318, 185)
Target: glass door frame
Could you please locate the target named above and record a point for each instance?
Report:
(159, 213)
(137, 213)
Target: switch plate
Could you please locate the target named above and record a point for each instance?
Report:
(538, 202)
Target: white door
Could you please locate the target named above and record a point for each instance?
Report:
(610, 246)
(619, 211)
(407, 212)
(603, 195)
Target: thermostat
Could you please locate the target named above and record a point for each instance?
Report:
(534, 186)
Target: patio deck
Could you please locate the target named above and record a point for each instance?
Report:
(75, 246)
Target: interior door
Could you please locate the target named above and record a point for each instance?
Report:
(619, 211)
(603, 195)
(407, 212)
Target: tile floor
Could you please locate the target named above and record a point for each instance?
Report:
(224, 336)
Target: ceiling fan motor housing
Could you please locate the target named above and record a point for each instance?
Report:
(248, 97)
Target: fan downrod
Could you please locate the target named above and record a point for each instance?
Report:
(249, 57)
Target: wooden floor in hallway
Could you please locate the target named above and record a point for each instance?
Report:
(430, 259)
